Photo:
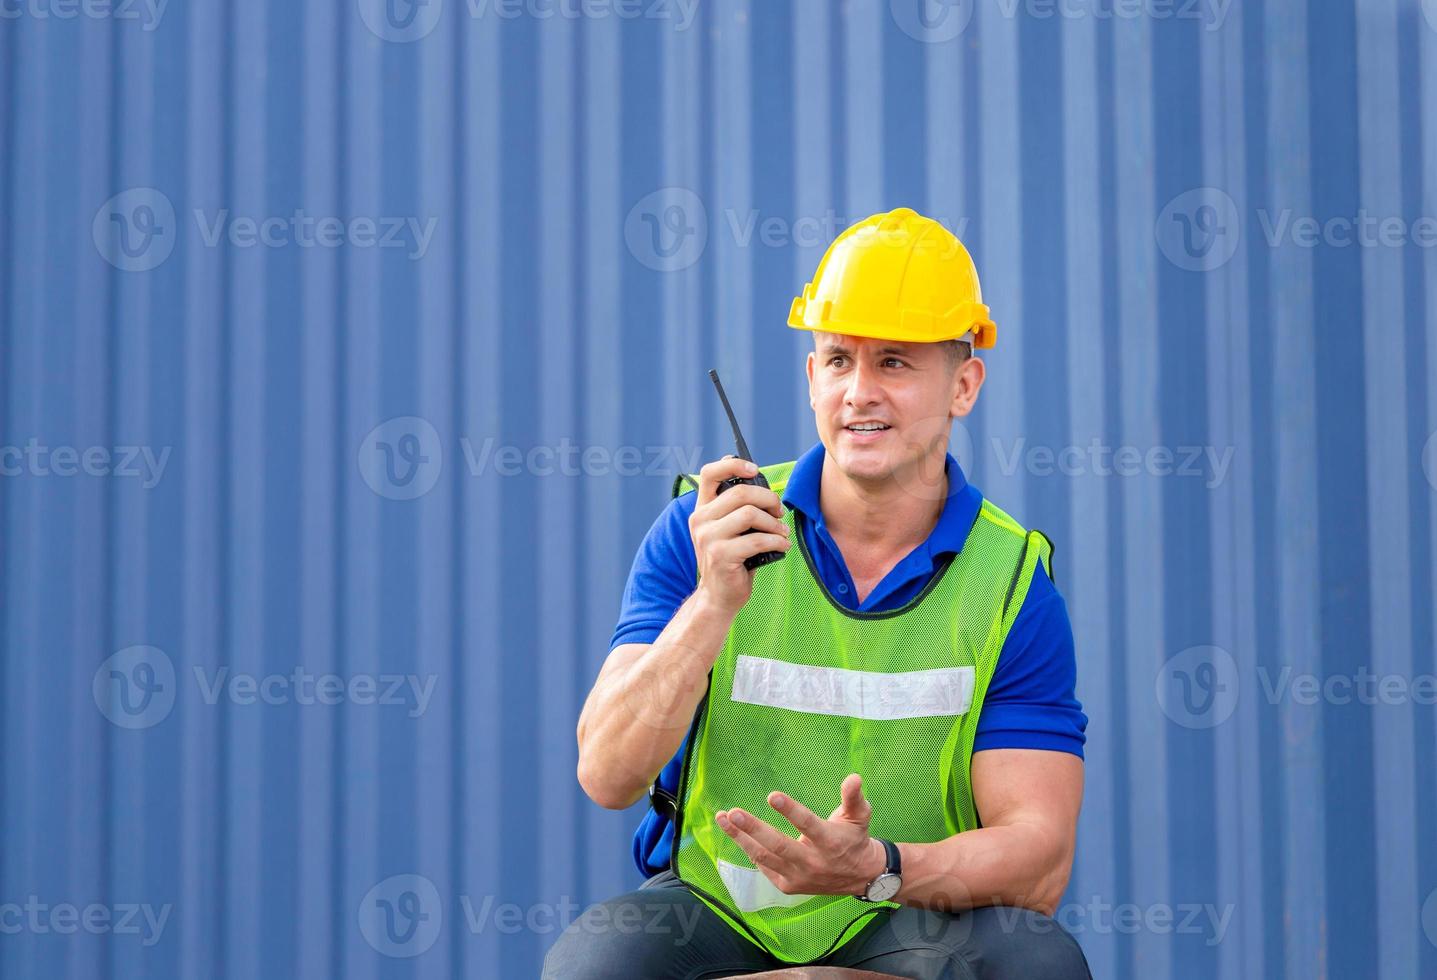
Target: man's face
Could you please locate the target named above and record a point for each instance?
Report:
(884, 407)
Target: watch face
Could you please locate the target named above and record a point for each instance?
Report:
(884, 887)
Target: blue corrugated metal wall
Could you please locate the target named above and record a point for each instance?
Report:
(575, 211)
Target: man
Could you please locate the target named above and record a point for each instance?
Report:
(907, 669)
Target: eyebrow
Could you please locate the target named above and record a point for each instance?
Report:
(833, 347)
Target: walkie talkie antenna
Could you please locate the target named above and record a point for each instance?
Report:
(737, 435)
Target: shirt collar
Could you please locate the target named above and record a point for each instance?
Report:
(960, 507)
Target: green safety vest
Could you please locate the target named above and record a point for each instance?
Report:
(805, 692)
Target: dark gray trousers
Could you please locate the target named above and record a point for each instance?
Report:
(663, 931)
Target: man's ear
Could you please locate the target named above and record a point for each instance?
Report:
(970, 379)
(808, 367)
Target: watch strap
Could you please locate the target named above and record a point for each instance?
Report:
(895, 860)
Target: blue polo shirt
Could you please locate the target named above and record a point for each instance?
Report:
(1030, 702)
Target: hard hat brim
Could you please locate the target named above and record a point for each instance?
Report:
(984, 330)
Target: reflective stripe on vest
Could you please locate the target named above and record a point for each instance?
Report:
(853, 693)
(805, 692)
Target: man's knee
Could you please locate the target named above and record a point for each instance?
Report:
(602, 943)
(640, 934)
(1021, 943)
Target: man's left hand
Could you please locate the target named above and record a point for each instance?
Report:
(831, 857)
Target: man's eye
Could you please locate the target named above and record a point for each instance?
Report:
(835, 359)
(892, 360)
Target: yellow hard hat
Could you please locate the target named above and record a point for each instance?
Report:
(896, 276)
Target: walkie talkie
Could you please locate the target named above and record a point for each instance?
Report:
(758, 480)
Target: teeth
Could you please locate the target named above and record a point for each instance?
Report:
(868, 427)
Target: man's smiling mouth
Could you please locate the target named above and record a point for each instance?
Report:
(866, 431)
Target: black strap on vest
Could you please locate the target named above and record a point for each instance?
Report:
(664, 803)
(1052, 551)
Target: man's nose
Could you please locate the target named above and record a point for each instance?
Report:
(863, 386)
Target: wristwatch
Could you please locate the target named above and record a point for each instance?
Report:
(886, 885)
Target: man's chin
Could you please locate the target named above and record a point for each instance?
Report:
(875, 466)
(868, 464)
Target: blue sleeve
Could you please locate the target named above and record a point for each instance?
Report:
(1031, 701)
(664, 574)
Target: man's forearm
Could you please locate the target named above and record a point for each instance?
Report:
(636, 718)
(1022, 865)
